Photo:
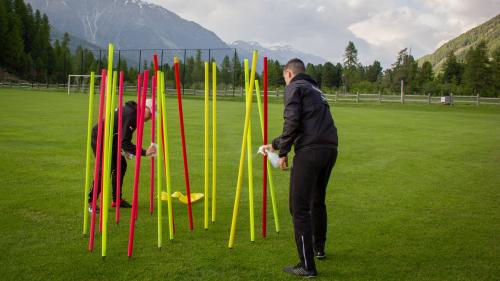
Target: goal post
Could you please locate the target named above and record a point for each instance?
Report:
(78, 83)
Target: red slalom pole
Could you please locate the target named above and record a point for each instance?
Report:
(183, 138)
(138, 152)
(137, 120)
(97, 161)
(152, 171)
(264, 161)
(119, 150)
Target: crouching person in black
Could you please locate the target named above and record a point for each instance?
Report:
(129, 125)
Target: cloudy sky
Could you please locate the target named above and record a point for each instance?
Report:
(378, 28)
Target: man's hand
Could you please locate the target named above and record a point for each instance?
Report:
(269, 147)
(151, 151)
(264, 148)
(283, 163)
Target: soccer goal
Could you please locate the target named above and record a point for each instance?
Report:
(80, 83)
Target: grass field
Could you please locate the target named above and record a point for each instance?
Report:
(415, 195)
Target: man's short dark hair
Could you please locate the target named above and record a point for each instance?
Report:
(295, 65)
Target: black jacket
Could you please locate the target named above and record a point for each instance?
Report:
(308, 121)
(129, 124)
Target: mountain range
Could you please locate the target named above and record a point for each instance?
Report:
(135, 24)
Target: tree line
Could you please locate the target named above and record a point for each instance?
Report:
(28, 52)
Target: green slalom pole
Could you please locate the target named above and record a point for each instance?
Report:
(269, 168)
(89, 153)
(159, 166)
(249, 158)
(161, 89)
(107, 153)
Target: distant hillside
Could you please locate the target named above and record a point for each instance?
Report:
(280, 53)
(488, 31)
(74, 41)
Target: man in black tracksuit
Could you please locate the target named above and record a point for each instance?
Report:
(309, 127)
(129, 125)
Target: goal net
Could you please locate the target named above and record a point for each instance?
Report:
(81, 83)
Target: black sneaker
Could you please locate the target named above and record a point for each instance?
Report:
(299, 270)
(96, 209)
(319, 254)
(125, 204)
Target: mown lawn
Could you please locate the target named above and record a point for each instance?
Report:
(415, 195)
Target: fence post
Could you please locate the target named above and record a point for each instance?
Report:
(336, 96)
(241, 91)
(379, 97)
(194, 90)
(402, 92)
(277, 92)
(357, 97)
(451, 98)
(477, 99)
(68, 83)
(429, 98)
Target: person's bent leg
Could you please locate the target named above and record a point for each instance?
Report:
(123, 170)
(91, 189)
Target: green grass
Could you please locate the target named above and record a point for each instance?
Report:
(415, 195)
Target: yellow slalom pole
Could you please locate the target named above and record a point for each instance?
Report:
(107, 154)
(159, 164)
(161, 92)
(249, 161)
(269, 168)
(242, 155)
(89, 153)
(214, 139)
(206, 143)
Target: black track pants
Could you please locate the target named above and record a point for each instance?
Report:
(123, 164)
(308, 181)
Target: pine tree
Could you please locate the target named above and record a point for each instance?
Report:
(328, 75)
(453, 70)
(238, 70)
(495, 71)
(13, 40)
(351, 72)
(477, 74)
(226, 73)
(425, 76)
(4, 23)
(374, 71)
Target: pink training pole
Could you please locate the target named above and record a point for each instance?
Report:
(183, 138)
(97, 161)
(264, 162)
(137, 120)
(138, 152)
(152, 171)
(119, 150)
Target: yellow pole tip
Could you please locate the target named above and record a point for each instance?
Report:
(176, 60)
